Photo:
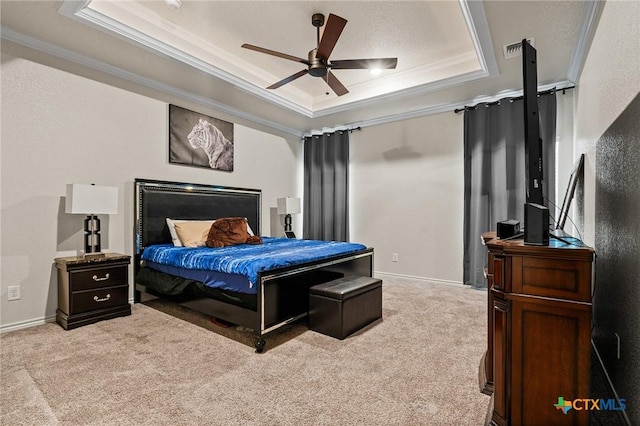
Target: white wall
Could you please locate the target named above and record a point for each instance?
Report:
(565, 157)
(407, 191)
(406, 195)
(58, 128)
(609, 81)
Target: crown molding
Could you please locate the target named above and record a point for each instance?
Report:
(473, 12)
(591, 11)
(50, 49)
(81, 12)
(436, 109)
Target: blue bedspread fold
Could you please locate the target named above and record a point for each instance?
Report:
(248, 260)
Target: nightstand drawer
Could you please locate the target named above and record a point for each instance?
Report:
(102, 298)
(98, 277)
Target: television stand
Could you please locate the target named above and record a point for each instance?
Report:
(539, 330)
(514, 237)
(560, 236)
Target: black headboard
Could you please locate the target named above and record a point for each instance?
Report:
(157, 200)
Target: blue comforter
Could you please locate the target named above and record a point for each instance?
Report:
(248, 260)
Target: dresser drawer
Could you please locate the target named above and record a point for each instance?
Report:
(556, 278)
(102, 298)
(107, 276)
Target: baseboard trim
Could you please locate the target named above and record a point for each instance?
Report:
(33, 322)
(609, 382)
(413, 277)
(26, 324)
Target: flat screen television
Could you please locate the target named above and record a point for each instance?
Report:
(568, 195)
(532, 141)
(536, 214)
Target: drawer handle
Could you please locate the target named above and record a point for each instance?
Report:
(106, 277)
(104, 299)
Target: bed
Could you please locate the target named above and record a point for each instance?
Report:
(264, 299)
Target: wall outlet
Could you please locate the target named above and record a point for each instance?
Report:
(394, 257)
(13, 292)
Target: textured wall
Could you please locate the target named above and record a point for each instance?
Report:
(617, 296)
(606, 90)
(607, 84)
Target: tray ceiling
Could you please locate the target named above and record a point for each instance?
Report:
(442, 44)
(450, 53)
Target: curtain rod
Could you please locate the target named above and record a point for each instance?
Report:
(546, 92)
(350, 130)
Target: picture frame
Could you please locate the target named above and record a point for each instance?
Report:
(199, 140)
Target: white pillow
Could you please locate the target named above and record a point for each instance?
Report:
(249, 230)
(174, 235)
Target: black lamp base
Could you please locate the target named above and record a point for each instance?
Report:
(287, 223)
(92, 237)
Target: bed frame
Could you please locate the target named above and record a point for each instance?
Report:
(282, 294)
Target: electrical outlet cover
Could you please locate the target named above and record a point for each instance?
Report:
(13, 292)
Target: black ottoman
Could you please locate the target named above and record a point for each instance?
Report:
(343, 306)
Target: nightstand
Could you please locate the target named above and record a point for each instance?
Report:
(92, 290)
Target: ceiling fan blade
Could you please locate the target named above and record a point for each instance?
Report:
(336, 85)
(288, 79)
(274, 53)
(356, 64)
(332, 30)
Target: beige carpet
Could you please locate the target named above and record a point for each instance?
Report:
(418, 366)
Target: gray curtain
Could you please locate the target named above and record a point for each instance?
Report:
(326, 180)
(494, 172)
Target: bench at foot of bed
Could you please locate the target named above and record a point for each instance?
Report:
(343, 306)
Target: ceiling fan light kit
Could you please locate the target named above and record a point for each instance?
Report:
(316, 67)
(173, 4)
(318, 64)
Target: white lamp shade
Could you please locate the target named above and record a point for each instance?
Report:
(288, 205)
(91, 199)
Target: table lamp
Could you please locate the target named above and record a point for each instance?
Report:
(288, 206)
(91, 200)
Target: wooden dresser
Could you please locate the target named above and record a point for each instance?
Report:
(539, 337)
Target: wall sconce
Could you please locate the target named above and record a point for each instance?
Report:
(288, 206)
(91, 200)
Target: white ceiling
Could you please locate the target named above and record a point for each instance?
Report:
(450, 53)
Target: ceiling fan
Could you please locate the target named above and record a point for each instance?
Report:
(318, 64)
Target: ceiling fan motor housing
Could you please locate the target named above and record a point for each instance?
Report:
(317, 19)
(317, 67)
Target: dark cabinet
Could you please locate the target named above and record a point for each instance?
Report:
(539, 337)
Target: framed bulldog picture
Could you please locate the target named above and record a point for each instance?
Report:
(199, 140)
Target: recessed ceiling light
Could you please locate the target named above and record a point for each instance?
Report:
(173, 4)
